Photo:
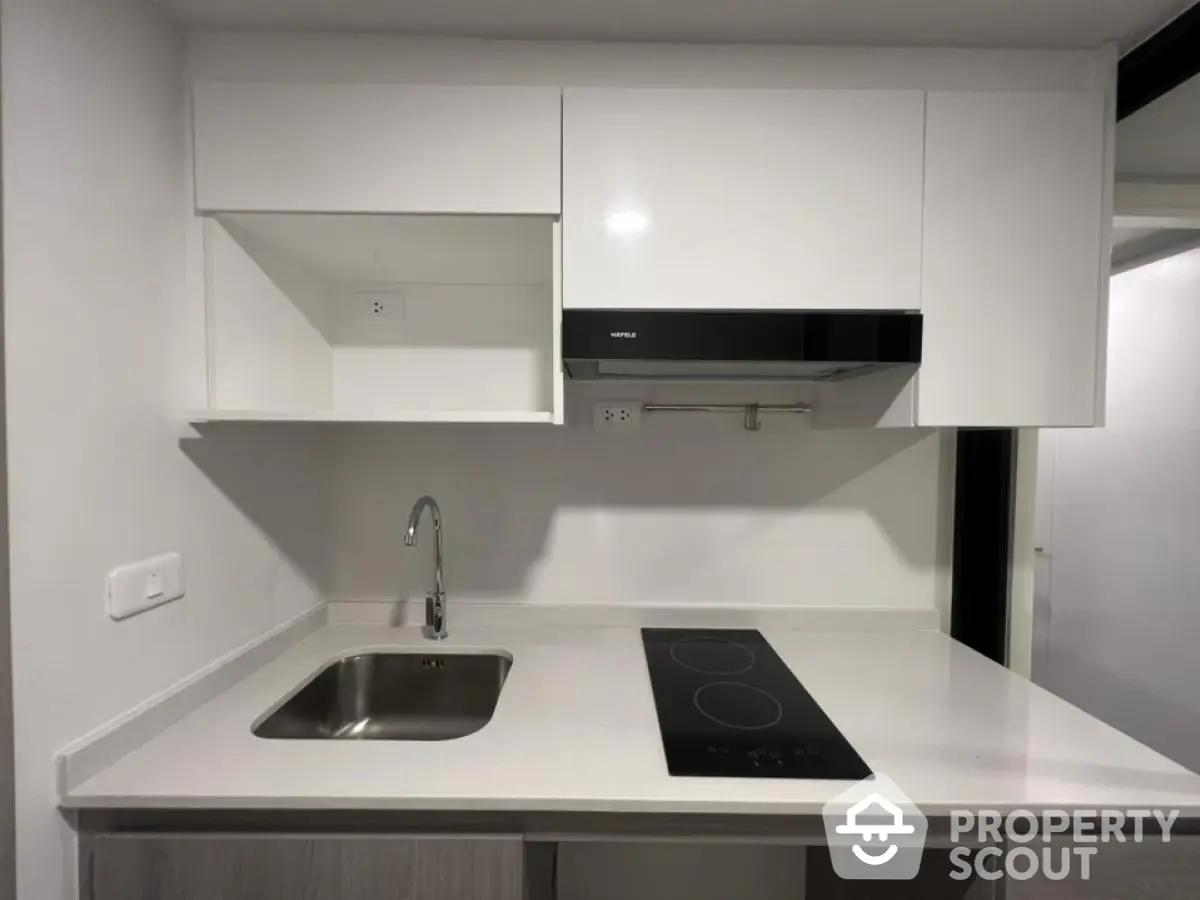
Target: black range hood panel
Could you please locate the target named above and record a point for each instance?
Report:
(728, 345)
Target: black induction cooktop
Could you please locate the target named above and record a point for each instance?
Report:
(728, 706)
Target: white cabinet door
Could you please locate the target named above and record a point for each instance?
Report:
(742, 199)
(1014, 259)
(377, 148)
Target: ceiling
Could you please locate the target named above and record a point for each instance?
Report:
(976, 23)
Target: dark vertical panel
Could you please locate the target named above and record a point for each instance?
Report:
(983, 512)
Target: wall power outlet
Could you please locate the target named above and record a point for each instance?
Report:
(617, 417)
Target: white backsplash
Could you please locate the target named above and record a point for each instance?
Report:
(691, 511)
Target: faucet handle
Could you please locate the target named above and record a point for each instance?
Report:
(435, 615)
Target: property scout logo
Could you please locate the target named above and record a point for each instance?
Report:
(875, 832)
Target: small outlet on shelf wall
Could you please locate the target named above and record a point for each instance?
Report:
(617, 417)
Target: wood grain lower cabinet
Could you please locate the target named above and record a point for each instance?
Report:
(288, 867)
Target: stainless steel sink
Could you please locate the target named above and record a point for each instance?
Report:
(393, 697)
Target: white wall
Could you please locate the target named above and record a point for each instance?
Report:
(693, 511)
(94, 207)
(1120, 520)
(8, 848)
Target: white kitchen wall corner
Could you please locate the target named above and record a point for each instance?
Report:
(380, 253)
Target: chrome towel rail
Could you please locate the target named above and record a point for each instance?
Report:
(750, 411)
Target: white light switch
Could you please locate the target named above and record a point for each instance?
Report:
(141, 586)
(154, 586)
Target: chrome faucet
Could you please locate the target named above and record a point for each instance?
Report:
(435, 603)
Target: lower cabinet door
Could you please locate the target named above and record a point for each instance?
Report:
(286, 867)
(933, 882)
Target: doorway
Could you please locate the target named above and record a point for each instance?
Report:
(1117, 564)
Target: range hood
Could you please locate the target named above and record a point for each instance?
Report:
(736, 345)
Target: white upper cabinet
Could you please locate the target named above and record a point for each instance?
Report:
(1015, 266)
(353, 148)
(744, 199)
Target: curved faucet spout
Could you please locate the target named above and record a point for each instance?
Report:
(435, 603)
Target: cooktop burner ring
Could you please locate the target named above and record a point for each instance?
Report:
(742, 662)
(738, 687)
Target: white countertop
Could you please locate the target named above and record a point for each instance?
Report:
(575, 730)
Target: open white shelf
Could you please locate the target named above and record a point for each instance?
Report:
(395, 318)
